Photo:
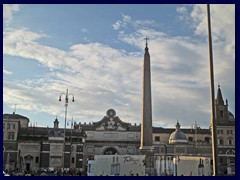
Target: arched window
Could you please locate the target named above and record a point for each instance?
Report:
(220, 141)
(230, 152)
(110, 151)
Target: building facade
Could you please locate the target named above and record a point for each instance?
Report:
(110, 136)
(34, 148)
(226, 135)
(37, 148)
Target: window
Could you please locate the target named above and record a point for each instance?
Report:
(190, 139)
(157, 138)
(229, 142)
(3, 125)
(73, 160)
(221, 113)
(37, 159)
(229, 132)
(230, 151)
(220, 141)
(207, 139)
(11, 126)
(220, 131)
(56, 160)
(79, 148)
(11, 136)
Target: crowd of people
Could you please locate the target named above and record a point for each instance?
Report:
(44, 172)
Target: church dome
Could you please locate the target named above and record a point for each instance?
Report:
(177, 136)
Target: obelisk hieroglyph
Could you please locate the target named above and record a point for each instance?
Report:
(146, 122)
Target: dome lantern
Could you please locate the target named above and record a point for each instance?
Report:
(177, 136)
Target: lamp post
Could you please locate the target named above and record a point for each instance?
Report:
(70, 140)
(195, 127)
(66, 105)
(84, 158)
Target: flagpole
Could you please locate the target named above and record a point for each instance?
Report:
(213, 119)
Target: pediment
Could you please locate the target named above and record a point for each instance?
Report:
(111, 122)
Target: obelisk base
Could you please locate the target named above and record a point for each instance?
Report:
(149, 160)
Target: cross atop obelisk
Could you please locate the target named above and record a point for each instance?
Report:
(146, 38)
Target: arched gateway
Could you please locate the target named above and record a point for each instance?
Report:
(110, 151)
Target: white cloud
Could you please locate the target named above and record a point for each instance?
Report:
(126, 18)
(223, 35)
(7, 72)
(220, 34)
(98, 74)
(180, 67)
(8, 10)
(12, 36)
(182, 10)
(102, 77)
(23, 43)
(117, 25)
(129, 21)
(84, 30)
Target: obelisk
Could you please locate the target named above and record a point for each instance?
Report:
(146, 122)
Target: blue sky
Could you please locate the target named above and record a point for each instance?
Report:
(96, 51)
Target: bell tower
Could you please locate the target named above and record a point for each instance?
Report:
(221, 108)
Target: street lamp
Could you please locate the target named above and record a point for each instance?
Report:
(195, 127)
(71, 127)
(70, 139)
(66, 105)
(84, 158)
